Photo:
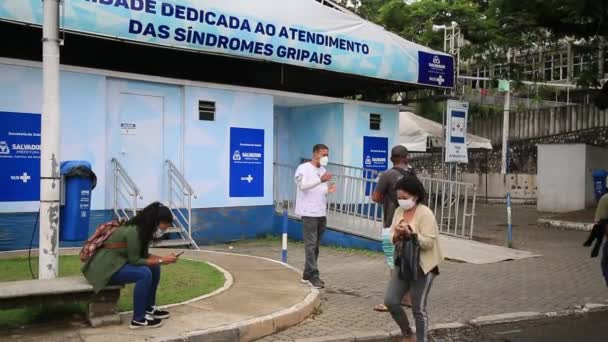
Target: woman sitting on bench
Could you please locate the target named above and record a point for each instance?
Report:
(124, 259)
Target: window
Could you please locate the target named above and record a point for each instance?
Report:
(548, 65)
(374, 121)
(206, 111)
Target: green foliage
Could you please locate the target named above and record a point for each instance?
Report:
(432, 110)
(564, 18)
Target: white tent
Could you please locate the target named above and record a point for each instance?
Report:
(418, 134)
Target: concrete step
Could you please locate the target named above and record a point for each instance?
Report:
(172, 243)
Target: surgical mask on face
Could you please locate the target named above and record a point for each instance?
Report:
(324, 161)
(158, 233)
(407, 204)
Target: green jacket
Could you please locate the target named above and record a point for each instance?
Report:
(105, 262)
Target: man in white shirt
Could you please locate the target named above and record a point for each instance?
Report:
(311, 204)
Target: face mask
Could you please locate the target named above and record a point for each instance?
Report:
(407, 204)
(324, 161)
(158, 233)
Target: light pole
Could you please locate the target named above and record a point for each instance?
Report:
(505, 123)
(451, 44)
(49, 159)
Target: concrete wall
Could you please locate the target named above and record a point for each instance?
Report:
(83, 122)
(356, 126)
(529, 124)
(523, 187)
(340, 126)
(562, 177)
(311, 125)
(207, 144)
(92, 107)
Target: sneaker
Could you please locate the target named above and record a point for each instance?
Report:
(149, 322)
(158, 314)
(305, 280)
(321, 280)
(316, 283)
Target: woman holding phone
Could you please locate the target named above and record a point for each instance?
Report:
(413, 221)
(124, 259)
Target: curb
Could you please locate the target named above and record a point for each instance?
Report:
(566, 225)
(248, 330)
(258, 327)
(455, 328)
(254, 328)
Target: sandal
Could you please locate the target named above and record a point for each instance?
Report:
(381, 308)
(407, 305)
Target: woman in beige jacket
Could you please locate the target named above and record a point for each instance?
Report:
(414, 218)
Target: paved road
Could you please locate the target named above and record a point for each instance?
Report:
(587, 328)
(562, 278)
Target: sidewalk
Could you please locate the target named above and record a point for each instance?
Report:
(562, 278)
(262, 297)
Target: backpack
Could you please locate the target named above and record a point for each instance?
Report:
(95, 241)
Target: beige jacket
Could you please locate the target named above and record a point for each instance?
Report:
(425, 225)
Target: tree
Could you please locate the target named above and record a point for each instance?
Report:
(578, 19)
(564, 18)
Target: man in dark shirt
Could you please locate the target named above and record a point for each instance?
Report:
(386, 194)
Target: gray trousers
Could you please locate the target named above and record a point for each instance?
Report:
(419, 291)
(313, 232)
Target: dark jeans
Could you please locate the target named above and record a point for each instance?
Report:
(313, 232)
(146, 280)
(605, 262)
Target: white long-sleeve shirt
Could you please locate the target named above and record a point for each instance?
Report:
(311, 196)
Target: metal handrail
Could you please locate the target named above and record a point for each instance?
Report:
(182, 180)
(353, 209)
(179, 184)
(121, 170)
(123, 180)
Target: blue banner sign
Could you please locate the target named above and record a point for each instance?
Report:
(435, 70)
(246, 162)
(298, 32)
(19, 157)
(375, 157)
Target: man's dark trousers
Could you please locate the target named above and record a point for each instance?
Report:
(314, 227)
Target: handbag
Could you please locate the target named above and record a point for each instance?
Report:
(408, 258)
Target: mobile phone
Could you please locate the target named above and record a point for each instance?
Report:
(180, 253)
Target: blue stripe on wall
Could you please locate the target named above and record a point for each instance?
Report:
(210, 226)
(16, 229)
(331, 237)
(220, 225)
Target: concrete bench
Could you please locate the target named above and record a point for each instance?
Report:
(101, 307)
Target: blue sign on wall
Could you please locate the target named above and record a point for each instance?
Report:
(19, 157)
(375, 157)
(246, 162)
(436, 70)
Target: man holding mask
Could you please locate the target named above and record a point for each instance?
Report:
(311, 204)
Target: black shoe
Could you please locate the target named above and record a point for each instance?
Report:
(316, 283)
(149, 322)
(158, 314)
(305, 279)
(321, 280)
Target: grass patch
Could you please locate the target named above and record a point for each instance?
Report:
(179, 282)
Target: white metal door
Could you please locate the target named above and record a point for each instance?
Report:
(141, 142)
